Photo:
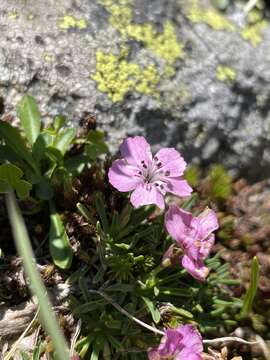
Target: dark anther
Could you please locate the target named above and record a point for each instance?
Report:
(140, 173)
(155, 158)
(159, 164)
(156, 184)
(144, 166)
(167, 173)
(142, 161)
(162, 187)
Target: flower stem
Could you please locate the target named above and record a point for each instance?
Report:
(124, 312)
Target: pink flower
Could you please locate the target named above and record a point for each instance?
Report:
(149, 178)
(194, 235)
(182, 343)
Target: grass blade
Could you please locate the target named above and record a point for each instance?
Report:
(251, 292)
(38, 289)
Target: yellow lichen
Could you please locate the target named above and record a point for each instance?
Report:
(253, 32)
(48, 57)
(69, 22)
(165, 45)
(116, 76)
(211, 17)
(225, 73)
(13, 15)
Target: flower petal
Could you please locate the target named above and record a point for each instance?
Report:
(135, 150)
(206, 246)
(171, 343)
(191, 338)
(195, 268)
(146, 194)
(171, 161)
(205, 224)
(177, 222)
(123, 177)
(178, 186)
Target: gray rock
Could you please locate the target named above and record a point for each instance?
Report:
(48, 49)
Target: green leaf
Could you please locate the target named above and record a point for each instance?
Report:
(55, 155)
(58, 122)
(252, 290)
(153, 310)
(95, 144)
(10, 177)
(60, 248)
(39, 147)
(86, 213)
(76, 164)
(64, 139)
(44, 190)
(99, 202)
(7, 154)
(14, 140)
(29, 116)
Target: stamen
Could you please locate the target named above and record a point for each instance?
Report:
(162, 187)
(144, 166)
(159, 164)
(155, 158)
(142, 161)
(167, 173)
(156, 184)
(140, 173)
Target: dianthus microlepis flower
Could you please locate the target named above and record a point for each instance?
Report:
(194, 235)
(182, 343)
(149, 178)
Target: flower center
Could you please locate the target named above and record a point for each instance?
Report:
(152, 173)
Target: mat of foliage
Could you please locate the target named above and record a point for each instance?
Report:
(60, 177)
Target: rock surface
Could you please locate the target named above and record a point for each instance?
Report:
(178, 72)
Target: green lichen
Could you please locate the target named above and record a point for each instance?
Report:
(225, 73)
(116, 76)
(70, 22)
(211, 17)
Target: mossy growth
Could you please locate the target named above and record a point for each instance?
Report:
(70, 22)
(225, 73)
(221, 183)
(193, 175)
(116, 76)
(211, 17)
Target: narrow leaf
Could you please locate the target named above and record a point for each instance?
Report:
(29, 116)
(60, 248)
(251, 292)
(153, 310)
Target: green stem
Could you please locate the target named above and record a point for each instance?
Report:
(37, 287)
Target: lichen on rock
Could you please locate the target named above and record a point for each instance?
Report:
(163, 45)
(69, 22)
(225, 73)
(209, 16)
(116, 76)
